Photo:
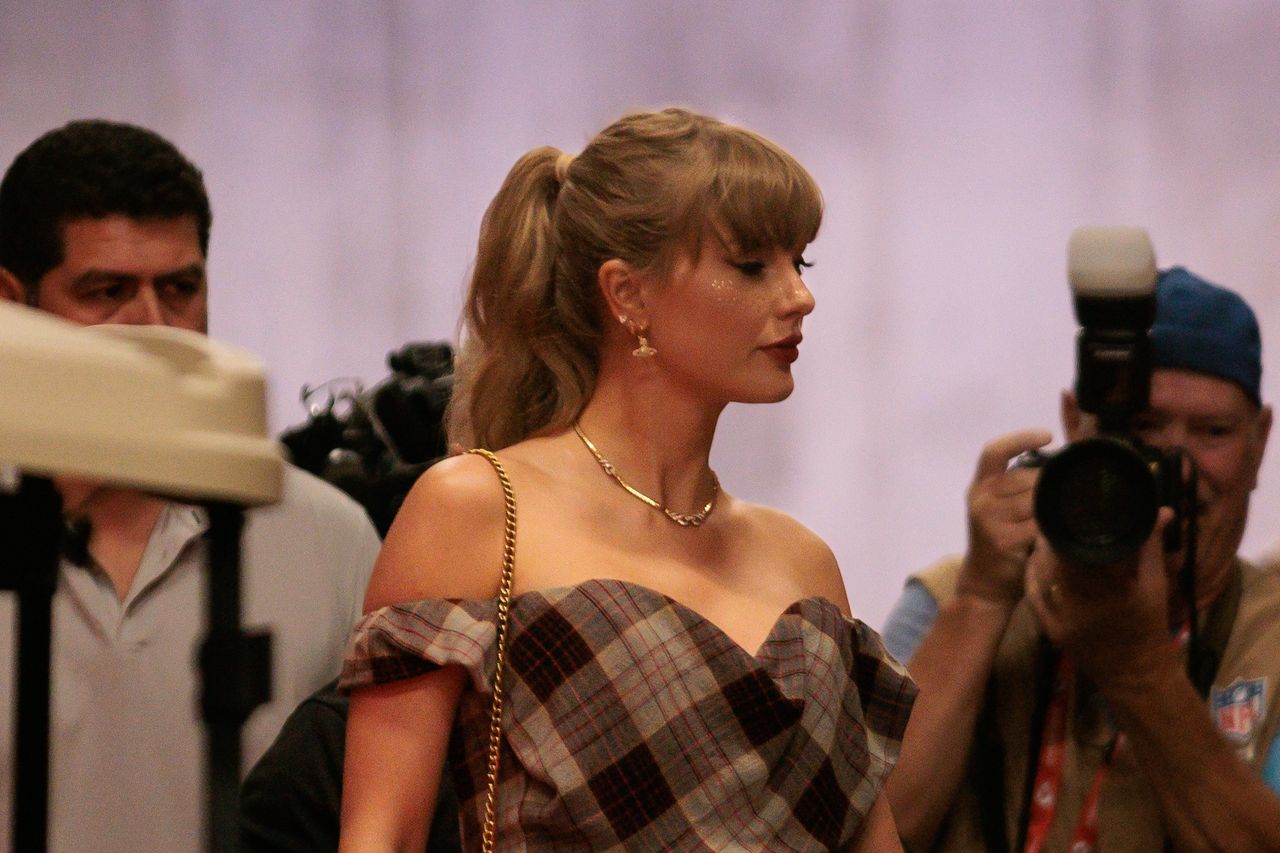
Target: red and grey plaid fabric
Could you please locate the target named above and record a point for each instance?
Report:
(633, 723)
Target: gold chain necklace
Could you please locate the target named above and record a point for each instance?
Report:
(683, 519)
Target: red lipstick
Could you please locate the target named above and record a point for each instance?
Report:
(786, 350)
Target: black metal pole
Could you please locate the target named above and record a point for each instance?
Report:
(236, 670)
(31, 530)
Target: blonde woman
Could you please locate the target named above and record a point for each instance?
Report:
(679, 670)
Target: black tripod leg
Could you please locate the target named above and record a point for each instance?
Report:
(236, 668)
(30, 534)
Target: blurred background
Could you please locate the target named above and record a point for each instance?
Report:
(350, 149)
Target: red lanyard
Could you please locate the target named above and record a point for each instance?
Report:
(1053, 751)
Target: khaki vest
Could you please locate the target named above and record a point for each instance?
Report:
(1129, 817)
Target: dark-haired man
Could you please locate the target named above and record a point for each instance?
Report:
(1111, 744)
(103, 222)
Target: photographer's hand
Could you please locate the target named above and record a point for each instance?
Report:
(1114, 624)
(954, 660)
(1112, 621)
(1002, 527)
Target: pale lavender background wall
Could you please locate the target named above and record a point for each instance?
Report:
(350, 149)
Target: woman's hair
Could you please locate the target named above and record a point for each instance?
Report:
(647, 187)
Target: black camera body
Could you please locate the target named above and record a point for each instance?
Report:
(1097, 499)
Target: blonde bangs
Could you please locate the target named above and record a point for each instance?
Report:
(754, 191)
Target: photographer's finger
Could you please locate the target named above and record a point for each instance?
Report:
(1151, 556)
(1047, 593)
(998, 453)
(1044, 594)
(1023, 532)
(1015, 482)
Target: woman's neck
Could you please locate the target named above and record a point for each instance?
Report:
(658, 441)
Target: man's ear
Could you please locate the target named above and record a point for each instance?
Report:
(1263, 431)
(1072, 417)
(623, 290)
(10, 288)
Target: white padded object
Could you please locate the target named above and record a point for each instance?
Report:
(1111, 263)
(159, 409)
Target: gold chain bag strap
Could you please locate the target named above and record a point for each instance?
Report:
(489, 830)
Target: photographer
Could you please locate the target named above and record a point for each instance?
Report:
(1038, 676)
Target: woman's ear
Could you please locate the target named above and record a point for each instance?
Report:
(623, 289)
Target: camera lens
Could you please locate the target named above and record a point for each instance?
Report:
(1096, 501)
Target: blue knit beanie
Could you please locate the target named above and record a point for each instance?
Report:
(1206, 328)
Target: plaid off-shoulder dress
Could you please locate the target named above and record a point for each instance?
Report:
(633, 723)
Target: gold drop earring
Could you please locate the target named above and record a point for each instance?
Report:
(644, 350)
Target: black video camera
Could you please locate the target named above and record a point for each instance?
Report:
(1096, 500)
(374, 443)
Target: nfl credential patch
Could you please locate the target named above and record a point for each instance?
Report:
(1237, 710)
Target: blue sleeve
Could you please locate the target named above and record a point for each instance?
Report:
(1271, 770)
(911, 618)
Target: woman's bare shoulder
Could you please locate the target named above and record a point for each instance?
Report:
(446, 541)
(798, 550)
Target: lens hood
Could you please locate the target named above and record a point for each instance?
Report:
(1096, 500)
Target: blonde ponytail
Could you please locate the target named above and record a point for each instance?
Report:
(521, 363)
